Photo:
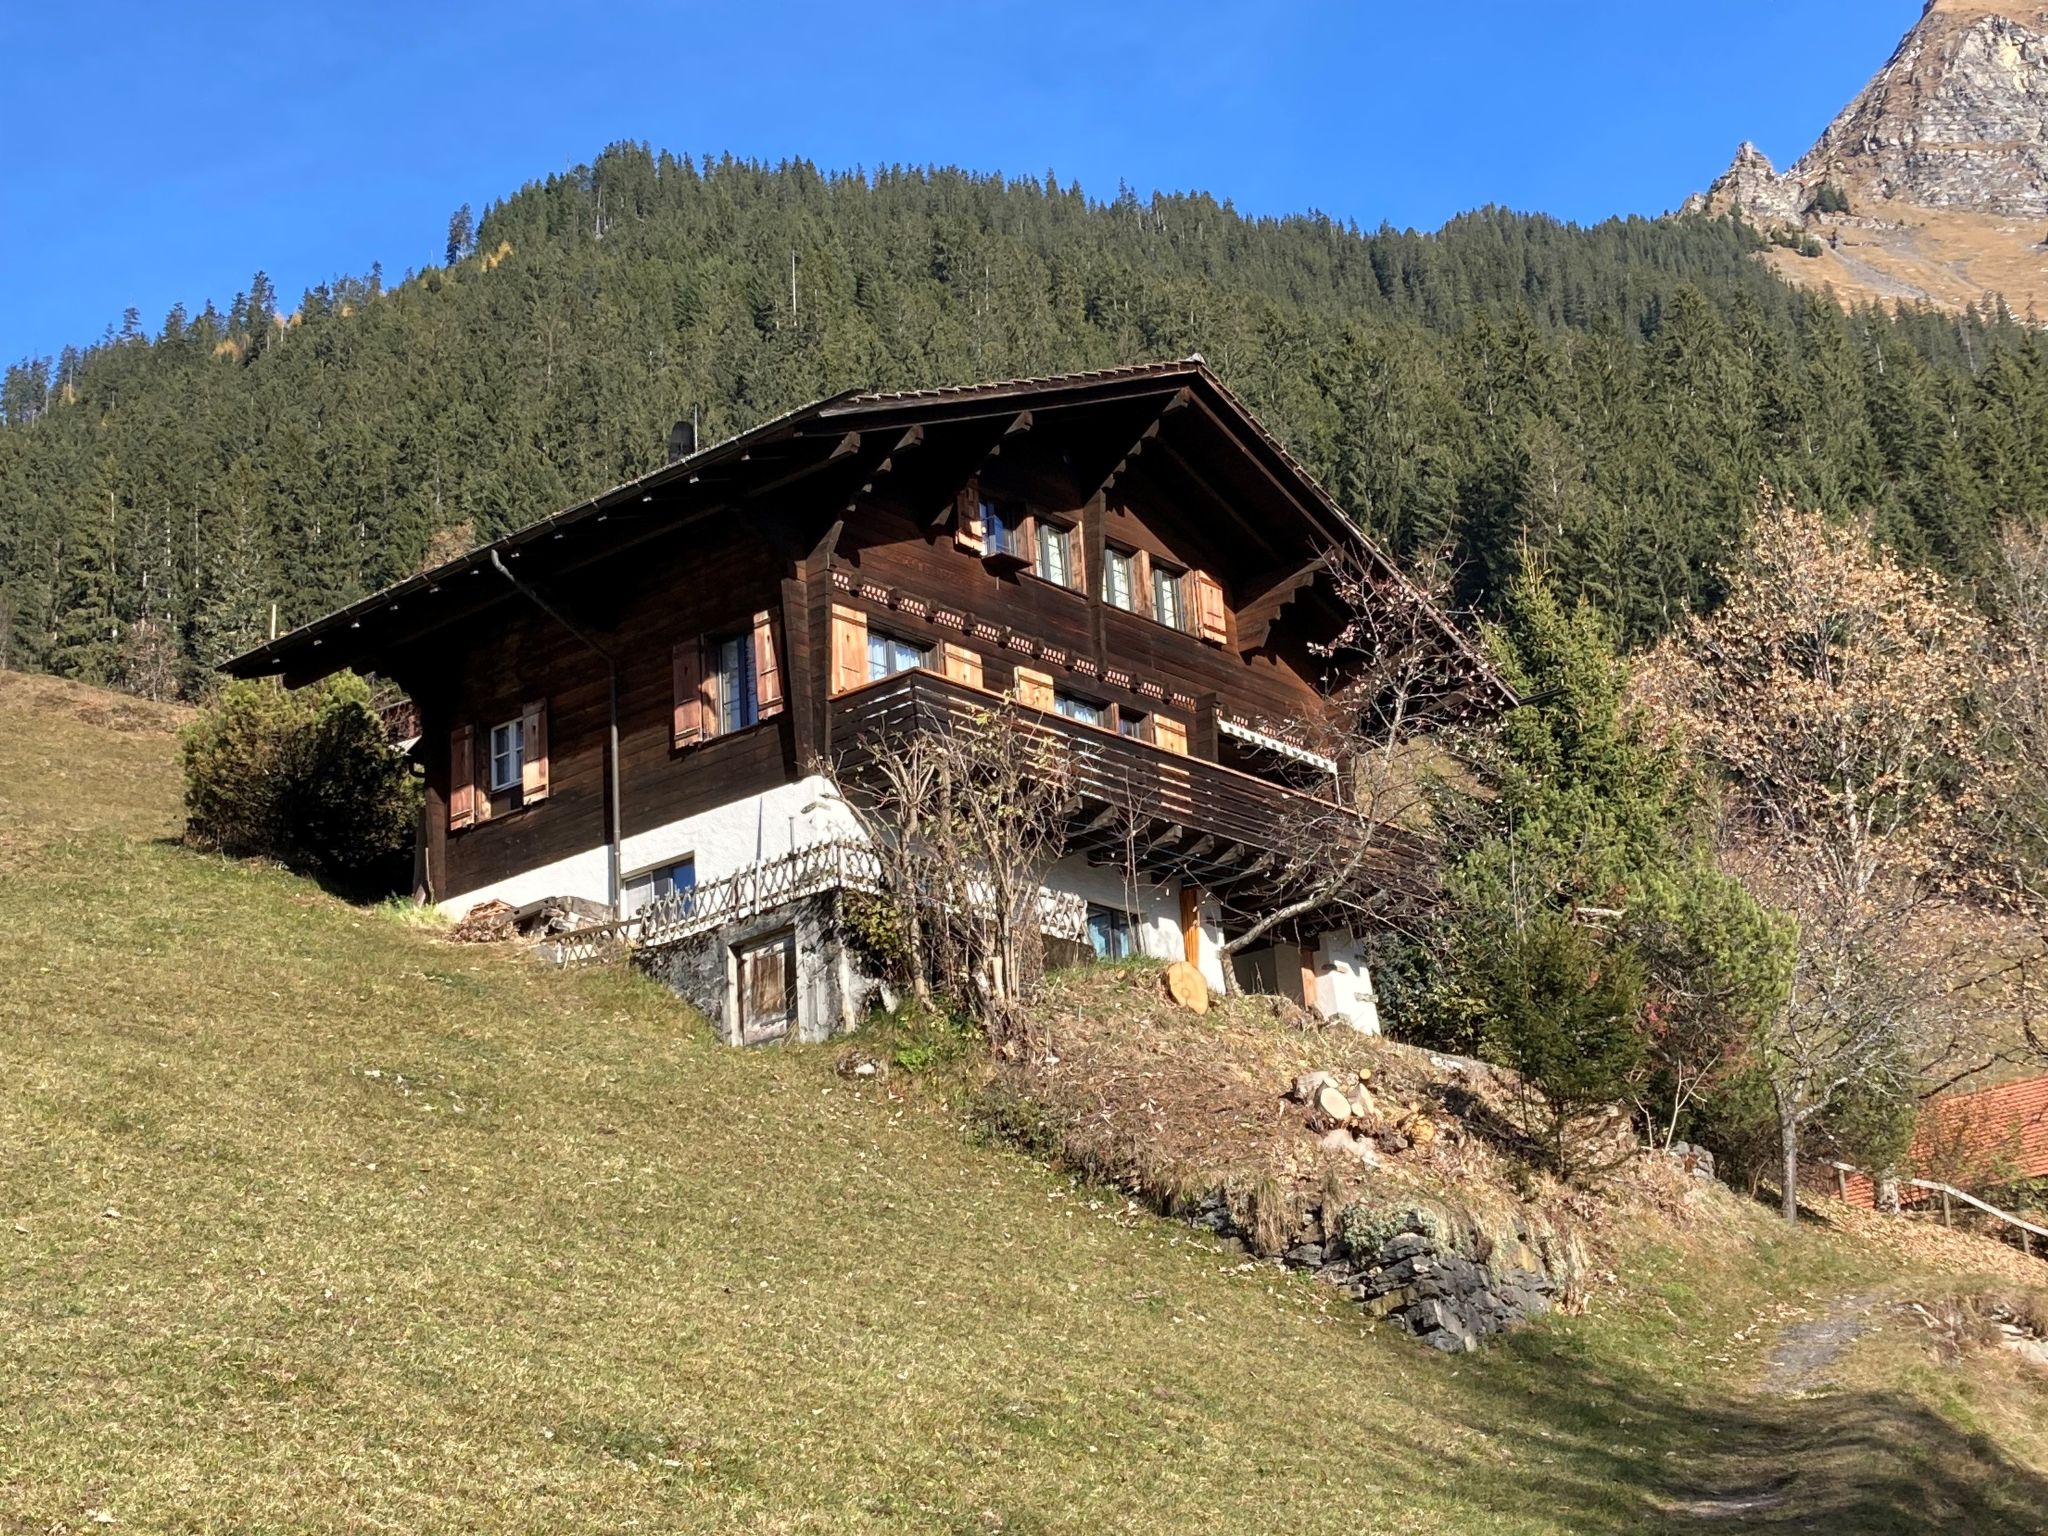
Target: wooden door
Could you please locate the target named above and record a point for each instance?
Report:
(767, 989)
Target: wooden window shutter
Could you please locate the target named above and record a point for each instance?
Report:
(849, 648)
(461, 778)
(533, 767)
(687, 666)
(767, 665)
(962, 665)
(1169, 735)
(1033, 689)
(970, 533)
(1212, 623)
(1141, 583)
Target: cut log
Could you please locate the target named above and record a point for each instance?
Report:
(1332, 1105)
(1184, 984)
(1305, 1086)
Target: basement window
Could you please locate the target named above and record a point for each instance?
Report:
(1109, 933)
(508, 755)
(659, 884)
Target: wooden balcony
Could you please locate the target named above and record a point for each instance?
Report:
(1170, 814)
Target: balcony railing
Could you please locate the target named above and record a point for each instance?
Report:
(1167, 812)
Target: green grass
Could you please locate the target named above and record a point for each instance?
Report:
(312, 1221)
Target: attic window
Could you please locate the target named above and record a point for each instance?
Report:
(1055, 562)
(1168, 605)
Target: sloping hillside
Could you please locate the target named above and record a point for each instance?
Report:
(312, 1221)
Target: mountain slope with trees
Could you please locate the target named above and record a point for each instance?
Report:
(1602, 401)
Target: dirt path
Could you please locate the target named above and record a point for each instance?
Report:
(1798, 1362)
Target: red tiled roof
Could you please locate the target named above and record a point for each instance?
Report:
(2002, 1130)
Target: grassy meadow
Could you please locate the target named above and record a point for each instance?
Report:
(311, 1221)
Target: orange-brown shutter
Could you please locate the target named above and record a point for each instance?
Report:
(1033, 689)
(1141, 584)
(962, 665)
(970, 533)
(849, 648)
(767, 666)
(1212, 623)
(1169, 735)
(461, 778)
(687, 666)
(533, 767)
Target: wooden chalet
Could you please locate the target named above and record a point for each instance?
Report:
(621, 704)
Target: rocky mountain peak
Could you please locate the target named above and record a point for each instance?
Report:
(1957, 118)
(1917, 185)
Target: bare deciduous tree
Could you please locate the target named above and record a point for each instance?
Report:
(967, 814)
(1834, 691)
(1349, 843)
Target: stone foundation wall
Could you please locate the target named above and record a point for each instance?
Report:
(832, 993)
(1423, 1270)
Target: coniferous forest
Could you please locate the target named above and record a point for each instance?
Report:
(1603, 401)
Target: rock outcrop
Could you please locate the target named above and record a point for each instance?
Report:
(1915, 187)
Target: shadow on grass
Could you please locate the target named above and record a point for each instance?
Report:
(358, 889)
(1622, 1452)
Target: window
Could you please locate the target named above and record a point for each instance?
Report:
(1167, 606)
(1129, 722)
(659, 884)
(999, 529)
(1118, 580)
(508, 755)
(1055, 554)
(888, 655)
(1109, 933)
(1086, 711)
(732, 682)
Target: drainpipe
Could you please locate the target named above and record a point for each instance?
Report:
(611, 754)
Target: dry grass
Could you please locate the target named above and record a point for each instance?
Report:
(312, 1221)
(1947, 257)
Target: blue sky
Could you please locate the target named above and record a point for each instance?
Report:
(164, 152)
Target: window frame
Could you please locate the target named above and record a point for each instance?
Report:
(897, 645)
(1103, 716)
(999, 529)
(1048, 534)
(1120, 927)
(1115, 558)
(748, 714)
(1170, 579)
(516, 726)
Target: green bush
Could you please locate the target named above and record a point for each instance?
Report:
(1563, 1011)
(308, 777)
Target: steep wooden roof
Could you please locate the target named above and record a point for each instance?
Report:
(846, 436)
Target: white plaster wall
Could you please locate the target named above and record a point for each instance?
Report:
(723, 841)
(1154, 909)
(1344, 983)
